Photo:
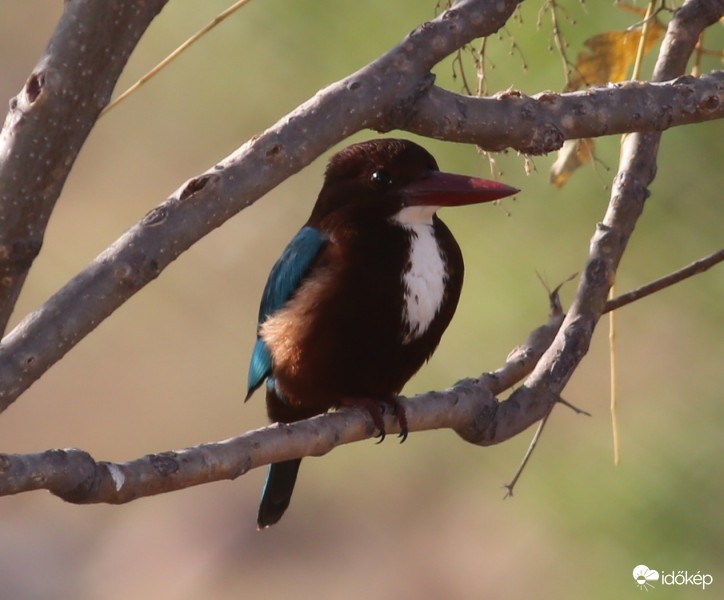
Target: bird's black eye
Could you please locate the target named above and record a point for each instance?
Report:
(381, 179)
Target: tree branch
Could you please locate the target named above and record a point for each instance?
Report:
(542, 123)
(469, 408)
(373, 97)
(50, 119)
(628, 194)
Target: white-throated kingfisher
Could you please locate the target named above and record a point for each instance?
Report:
(361, 296)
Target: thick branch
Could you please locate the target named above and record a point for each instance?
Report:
(50, 119)
(542, 123)
(374, 97)
(76, 477)
(469, 408)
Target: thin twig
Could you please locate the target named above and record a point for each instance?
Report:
(698, 55)
(461, 66)
(480, 69)
(696, 267)
(614, 381)
(699, 266)
(528, 453)
(176, 53)
(534, 442)
(635, 75)
(560, 42)
(642, 40)
(574, 408)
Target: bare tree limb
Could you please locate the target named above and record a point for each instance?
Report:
(374, 97)
(50, 119)
(540, 124)
(76, 477)
(629, 192)
(469, 407)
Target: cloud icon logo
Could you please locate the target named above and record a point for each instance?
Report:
(643, 576)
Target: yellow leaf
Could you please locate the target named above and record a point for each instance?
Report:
(572, 155)
(611, 55)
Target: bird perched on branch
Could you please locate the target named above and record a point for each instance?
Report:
(362, 294)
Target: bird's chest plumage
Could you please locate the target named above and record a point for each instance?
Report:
(424, 281)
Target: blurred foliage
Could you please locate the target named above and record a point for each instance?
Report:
(611, 54)
(425, 519)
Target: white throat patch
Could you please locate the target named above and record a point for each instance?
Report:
(425, 277)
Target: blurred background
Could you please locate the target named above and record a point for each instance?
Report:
(425, 519)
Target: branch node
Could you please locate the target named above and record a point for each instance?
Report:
(402, 112)
(34, 87)
(710, 103)
(155, 217)
(196, 184)
(75, 471)
(165, 463)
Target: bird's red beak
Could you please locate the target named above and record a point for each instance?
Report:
(448, 189)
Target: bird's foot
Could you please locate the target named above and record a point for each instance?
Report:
(399, 411)
(376, 408)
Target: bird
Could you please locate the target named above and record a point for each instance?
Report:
(361, 296)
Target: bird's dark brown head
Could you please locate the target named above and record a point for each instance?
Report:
(379, 178)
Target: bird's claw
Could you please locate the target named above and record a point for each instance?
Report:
(399, 412)
(376, 408)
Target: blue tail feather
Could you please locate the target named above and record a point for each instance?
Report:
(277, 491)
